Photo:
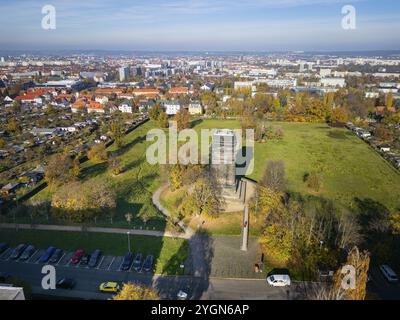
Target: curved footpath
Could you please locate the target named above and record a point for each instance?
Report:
(196, 244)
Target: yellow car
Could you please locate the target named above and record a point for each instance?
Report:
(112, 287)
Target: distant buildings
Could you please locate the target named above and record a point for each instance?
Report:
(123, 73)
(333, 82)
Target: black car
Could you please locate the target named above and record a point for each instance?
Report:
(27, 252)
(94, 259)
(46, 256)
(56, 256)
(66, 283)
(3, 247)
(85, 260)
(148, 264)
(137, 263)
(126, 264)
(17, 251)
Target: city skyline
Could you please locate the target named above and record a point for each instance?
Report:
(308, 25)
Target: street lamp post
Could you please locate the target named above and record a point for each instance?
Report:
(129, 241)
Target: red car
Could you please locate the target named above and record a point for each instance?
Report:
(77, 256)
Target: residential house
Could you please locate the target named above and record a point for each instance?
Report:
(171, 107)
(125, 107)
(207, 87)
(179, 91)
(195, 108)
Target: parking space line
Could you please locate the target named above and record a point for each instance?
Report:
(4, 254)
(112, 261)
(32, 256)
(60, 259)
(120, 266)
(101, 261)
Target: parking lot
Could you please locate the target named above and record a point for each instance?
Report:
(105, 262)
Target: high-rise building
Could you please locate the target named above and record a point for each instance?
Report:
(123, 73)
(223, 157)
(2, 59)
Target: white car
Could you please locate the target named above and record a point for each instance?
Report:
(388, 273)
(182, 295)
(279, 280)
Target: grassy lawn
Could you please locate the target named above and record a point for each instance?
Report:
(133, 187)
(349, 167)
(170, 253)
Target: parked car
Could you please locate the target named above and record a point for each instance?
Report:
(148, 264)
(126, 263)
(3, 247)
(46, 256)
(112, 287)
(77, 256)
(137, 263)
(94, 259)
(66, 283)
(388, 273)
(17, 251)
(56, 256)
(279, 280)
(27, 252)
(85, 259)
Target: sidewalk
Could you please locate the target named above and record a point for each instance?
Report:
(93, 229)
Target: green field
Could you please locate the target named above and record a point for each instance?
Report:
(170, 253)
(133, 187)
(349, 167)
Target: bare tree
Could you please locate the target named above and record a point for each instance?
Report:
(274, 175)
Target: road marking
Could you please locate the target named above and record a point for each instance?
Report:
(101, 261)
(60, 259)
(112, 261)
(5, 254)
(120, 266)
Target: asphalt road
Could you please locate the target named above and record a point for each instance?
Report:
(108, 269)
(88, 280)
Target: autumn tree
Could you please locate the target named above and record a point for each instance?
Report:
(114, 165)
(353, 289)
(98, 153)
(155, 112)
(79, 202)
(59, 170)
(389, 100)
(182, 119)
(204, 198)
(338, 116)
(117, 131)
(132, 291)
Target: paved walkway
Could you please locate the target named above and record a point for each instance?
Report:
(93, 229)
(200, 248)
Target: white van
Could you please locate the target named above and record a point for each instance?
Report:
(388, 273)
(278, 280)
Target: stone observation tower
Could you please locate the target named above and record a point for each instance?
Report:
(223, 157)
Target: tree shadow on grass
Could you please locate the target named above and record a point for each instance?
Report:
(122, 150)
(337, 134)
(93, 170)
(195, 123)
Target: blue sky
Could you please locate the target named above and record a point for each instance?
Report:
(243, 25)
